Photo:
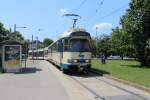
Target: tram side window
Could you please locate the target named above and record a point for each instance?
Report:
(54, 47)
(66, 45)
(60, 46)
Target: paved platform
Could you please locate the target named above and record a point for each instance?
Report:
(37, 82)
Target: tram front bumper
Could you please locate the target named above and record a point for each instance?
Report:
(82, 67)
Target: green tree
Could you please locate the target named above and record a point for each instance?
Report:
(121, 43)
(25, 46)
(16, 36)
(47, 42)
(40, 45)
(104, 45)
(136, 22)
(3, 33)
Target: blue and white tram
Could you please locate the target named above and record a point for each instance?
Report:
(72, 51)
(38, 53)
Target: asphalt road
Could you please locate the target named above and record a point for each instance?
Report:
(37, 82)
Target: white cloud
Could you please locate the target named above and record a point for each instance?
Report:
(63, 11)
(103, 26)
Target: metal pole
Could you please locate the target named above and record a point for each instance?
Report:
(74, 23)
(96, 41)
(36, 47)
(32, 49)
(14, 27)
(43, 53)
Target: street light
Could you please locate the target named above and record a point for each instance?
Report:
(36, 47)
(96, 41)
(15, 27)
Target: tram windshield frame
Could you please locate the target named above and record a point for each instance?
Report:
(78, 45)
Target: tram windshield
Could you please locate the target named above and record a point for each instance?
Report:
(79, 45)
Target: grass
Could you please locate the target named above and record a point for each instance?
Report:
(126, 70)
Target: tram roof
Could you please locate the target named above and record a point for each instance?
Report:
(70, 31)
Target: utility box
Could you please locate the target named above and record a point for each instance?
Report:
(11, 56)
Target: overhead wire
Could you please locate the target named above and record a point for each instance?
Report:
(97, 10)
(111, 13)
(100, 4)
(114, 11)
(80, 5)
(76, 9)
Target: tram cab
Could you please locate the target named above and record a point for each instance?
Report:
(72, 51)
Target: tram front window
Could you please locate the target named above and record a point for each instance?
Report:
(79, 45)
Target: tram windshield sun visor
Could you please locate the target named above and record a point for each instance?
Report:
(79, 45)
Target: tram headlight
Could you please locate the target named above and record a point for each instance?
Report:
(87, 61)
(75, 61)
(72, 60)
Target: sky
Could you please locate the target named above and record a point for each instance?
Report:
(45, 18)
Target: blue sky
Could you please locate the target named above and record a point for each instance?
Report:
(47, 15)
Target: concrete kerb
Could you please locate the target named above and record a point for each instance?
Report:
(124, 82)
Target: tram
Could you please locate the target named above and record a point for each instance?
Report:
(38, 53)
(72, 51)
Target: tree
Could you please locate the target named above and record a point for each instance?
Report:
(47, 42)
(16, 36)
(104, 45)
(3, 33)
(121, 43)
(136, 22)
(25, 46)
(40, 45)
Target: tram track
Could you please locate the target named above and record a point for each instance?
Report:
(93, 76)
(98, 96)
(125, 90)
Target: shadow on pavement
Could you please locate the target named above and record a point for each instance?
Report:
(90, 74)
(28, 70)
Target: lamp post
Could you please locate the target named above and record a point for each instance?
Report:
(96, 41)
(36, 47)
(15, 27)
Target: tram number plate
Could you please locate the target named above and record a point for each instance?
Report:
(81, 56)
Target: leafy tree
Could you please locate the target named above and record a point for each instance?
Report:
(16, 36)
(121, 43)
(25, 46)
(3, 33)
(40, 45)
(104, 45)
(135, 22)
(47, 42)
